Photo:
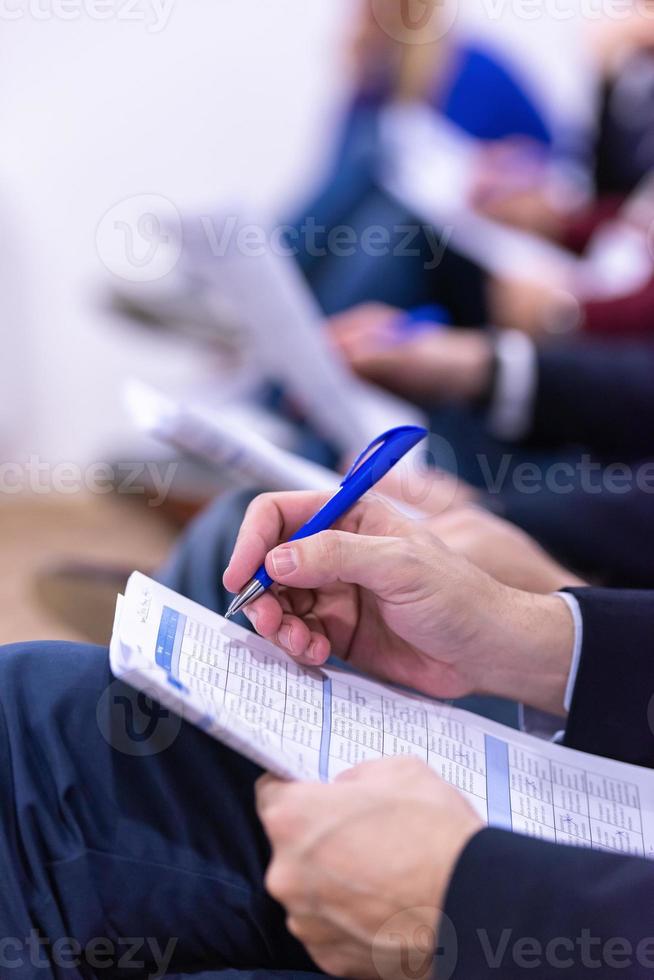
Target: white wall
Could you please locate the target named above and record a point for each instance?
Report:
(230, 98)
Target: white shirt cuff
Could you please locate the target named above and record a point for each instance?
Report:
(540, 723)
(575, 610)
(512, 402)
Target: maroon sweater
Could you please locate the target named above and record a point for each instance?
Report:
(627, 316)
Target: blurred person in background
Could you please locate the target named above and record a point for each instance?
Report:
(615, 229)
(475, 86)
(613, 293)
(622, 149)
(574, 418)
(471, 87)
(536, 173)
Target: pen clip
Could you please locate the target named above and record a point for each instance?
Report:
(376, 444)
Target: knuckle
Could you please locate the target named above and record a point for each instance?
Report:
(295, 927)
(410, 552)
(275, 818)
(332, 961)
(280, 881)
(329, 549)
(408, 768)
(408, 763)
(259, 503)
(297, 797)
(407, 547)
(474, 520)
(288, 814)
(413, 766)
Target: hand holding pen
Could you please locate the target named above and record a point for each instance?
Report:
(384, 593)
(371, 466)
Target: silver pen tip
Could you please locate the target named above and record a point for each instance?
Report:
(233, 607)
(251, 591)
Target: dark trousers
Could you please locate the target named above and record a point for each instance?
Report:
(129, 844)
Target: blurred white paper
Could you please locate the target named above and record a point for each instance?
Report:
(289, 343)
(429, 168)
(248, 457)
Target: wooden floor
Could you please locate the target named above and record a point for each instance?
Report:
(37, 534)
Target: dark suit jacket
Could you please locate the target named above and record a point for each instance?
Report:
(599, 397)
(514, 901)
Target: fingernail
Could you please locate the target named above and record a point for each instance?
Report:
(284, 560)
(284, 636)
(311, 654)
(251, 615)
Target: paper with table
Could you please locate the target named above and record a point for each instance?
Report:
(313, 723)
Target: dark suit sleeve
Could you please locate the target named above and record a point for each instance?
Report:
(605, 536)
(518, 908)
(597, 395)
(612, 711)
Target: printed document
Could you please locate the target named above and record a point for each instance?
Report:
(311, 724)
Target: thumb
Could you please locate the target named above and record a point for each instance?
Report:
(337, 556)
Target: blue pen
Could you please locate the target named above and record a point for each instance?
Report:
(373, 464)
(422, 319)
